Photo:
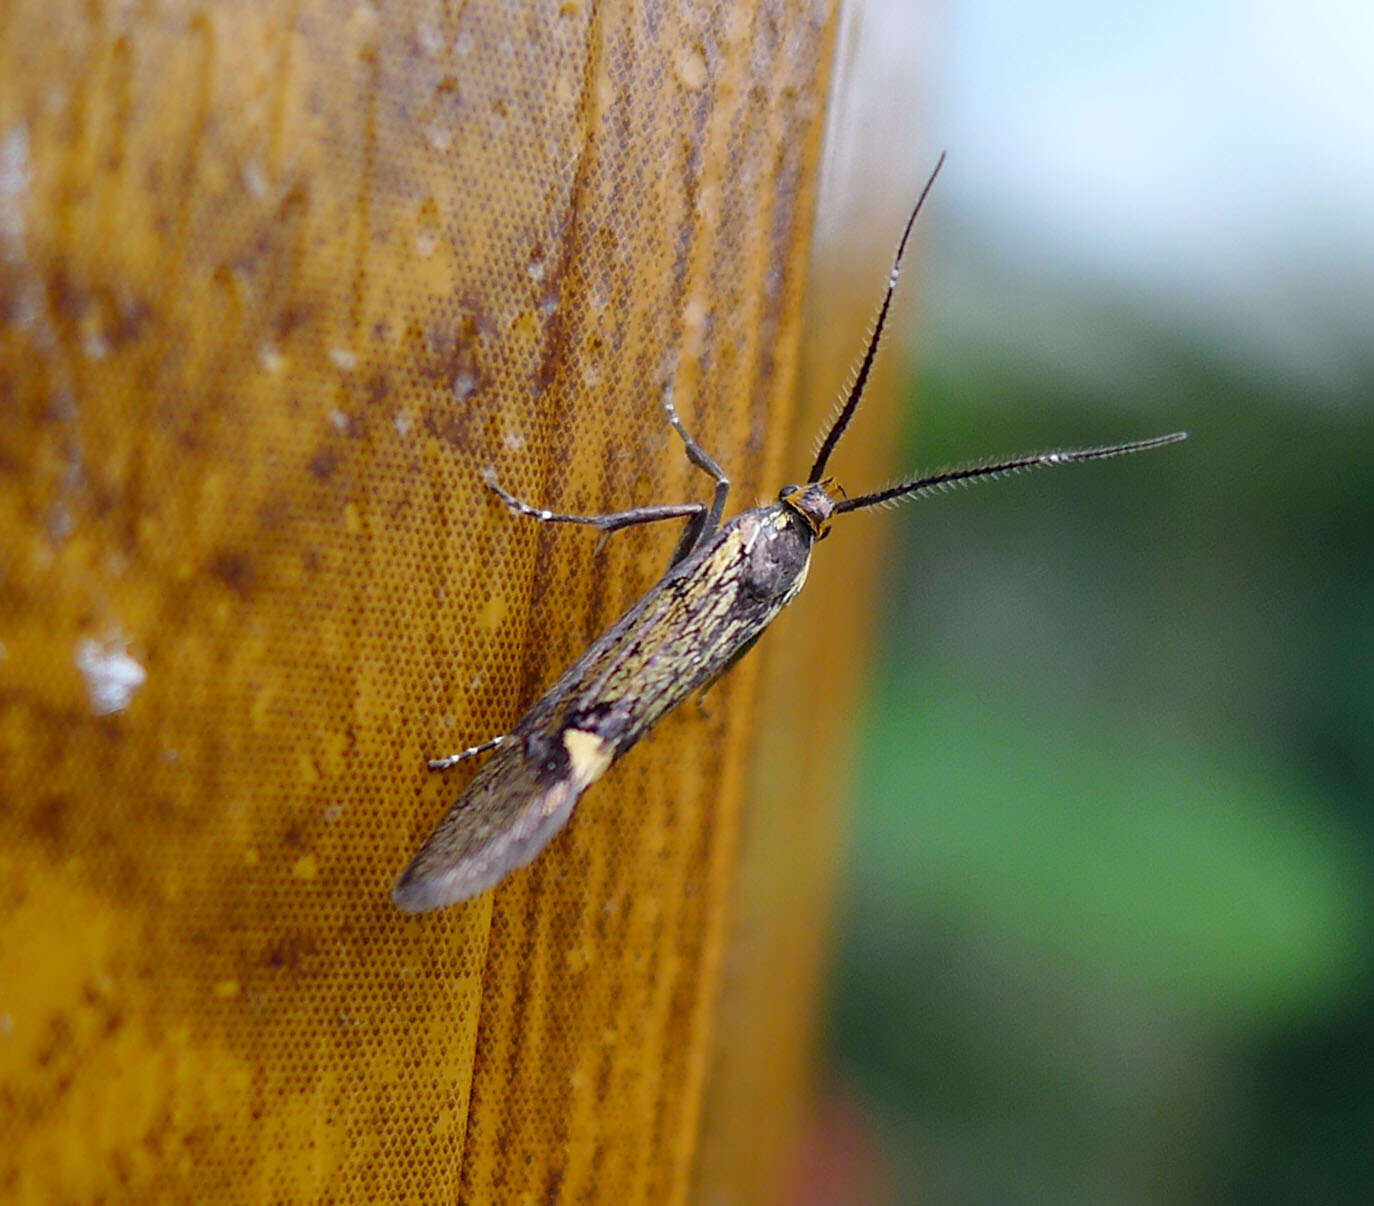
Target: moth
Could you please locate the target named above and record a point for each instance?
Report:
(725, 584)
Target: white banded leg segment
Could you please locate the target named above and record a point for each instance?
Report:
(453, 759)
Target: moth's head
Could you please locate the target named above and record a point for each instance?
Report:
(814, 502)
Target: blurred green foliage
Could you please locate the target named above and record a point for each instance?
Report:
(1108, 935)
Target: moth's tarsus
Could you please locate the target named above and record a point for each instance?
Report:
(725, 585)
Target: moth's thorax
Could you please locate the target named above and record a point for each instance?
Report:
(775, 548)
(814, 503)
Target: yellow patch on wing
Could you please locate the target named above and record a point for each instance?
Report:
(588, 754)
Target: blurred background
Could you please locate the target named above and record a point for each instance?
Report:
(1107, 935)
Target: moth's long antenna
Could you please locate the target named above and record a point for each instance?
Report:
(856, 390)
(920, 486)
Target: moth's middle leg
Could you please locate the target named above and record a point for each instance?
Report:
(611, 522)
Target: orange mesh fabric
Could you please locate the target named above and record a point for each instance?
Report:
(276, 282)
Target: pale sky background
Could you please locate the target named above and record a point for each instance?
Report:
(1212, 157)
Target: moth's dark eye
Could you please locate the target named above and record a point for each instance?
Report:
(786, 492)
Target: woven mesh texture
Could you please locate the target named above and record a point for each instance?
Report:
(276, 282)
